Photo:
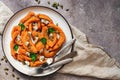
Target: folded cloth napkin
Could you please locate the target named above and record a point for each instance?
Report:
(90, 61)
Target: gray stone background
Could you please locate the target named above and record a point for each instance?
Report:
(98, 19)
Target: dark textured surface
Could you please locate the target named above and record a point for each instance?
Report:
(98, 19)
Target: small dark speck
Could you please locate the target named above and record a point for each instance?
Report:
(13, 75)
(67, 9)
(92, 30)
(13, 70)
(55, 5)
(38, 2)
(18, 78)
(6, 69)
(49, 2)
(2, 59)
(6, 60)
(61, 6)
(6, 73)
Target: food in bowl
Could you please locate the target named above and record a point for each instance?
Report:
(36, 39)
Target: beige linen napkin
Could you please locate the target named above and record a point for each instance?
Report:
(90, 61)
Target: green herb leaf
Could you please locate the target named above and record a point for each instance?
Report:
(33, 56)
(43, 40)
(50, 30)
(22, 26)
(16, 47)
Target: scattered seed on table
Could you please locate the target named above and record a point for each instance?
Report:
(55, 5)
(13, 75)
(61, 6)
(6, 60)
(17, 78)
(12, 70)
(6, 69)
(2, 59)
(38, 1)
(67, 9)
(6, 73)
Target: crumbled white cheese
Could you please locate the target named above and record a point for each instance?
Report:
(29, 33)
(41, 58)
(44, 21)
(34, 23)
(41, 51)
(58, 36)
(18, 38)
(27, 63)
(51, 35)
(49, 60)
(27, 53)
(35, 27)
(34, 41)
(27, 43)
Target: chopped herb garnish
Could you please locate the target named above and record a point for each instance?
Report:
(33, 56)
(67, 9)
(16, 47)
(22, 26)
(6, 69)
(49, 2)
(43, 40)
(55, 5)
(50, 30)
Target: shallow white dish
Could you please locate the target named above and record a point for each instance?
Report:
(14, 20)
